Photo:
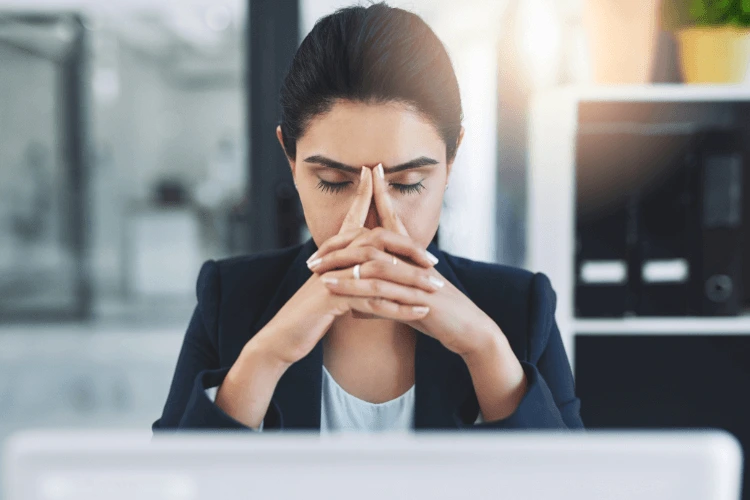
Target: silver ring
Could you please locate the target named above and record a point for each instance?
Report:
(356, 272)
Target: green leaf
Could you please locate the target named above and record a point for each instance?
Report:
(677, 14)
(744, 17)
(698, 9)
(720, 11)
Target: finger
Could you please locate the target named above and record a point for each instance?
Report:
(389, 219)
(372, 272)
(382, 307)
(357, 214)
(348, 257)
(378, 288)
(398, 244)
(337, 242)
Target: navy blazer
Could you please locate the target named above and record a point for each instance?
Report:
(239, 295)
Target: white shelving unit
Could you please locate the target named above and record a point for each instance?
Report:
(551, 203)
(664, 326)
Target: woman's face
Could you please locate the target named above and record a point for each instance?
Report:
(337, 144)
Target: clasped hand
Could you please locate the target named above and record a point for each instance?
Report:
(395, 272)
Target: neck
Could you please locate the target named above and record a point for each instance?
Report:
(371, 358)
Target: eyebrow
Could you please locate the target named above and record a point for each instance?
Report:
(415, 163)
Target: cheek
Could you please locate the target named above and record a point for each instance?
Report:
(323, 212)
(420, 214)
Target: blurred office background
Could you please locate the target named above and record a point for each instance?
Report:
(137, 140)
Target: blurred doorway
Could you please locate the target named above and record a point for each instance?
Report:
(43, 172)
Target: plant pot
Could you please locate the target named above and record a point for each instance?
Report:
(714, 54)
(622, 39)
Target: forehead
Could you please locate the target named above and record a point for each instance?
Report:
(362, 134)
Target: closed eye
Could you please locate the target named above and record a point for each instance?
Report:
(337, 187)
(409, 188)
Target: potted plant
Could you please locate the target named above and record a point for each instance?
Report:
(714, 38)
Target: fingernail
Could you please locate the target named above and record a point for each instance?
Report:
(431, 257)
(380, 171)
(421, 309)
(312, 257)
(329, 280)
(362, 176)
(436, 281)
(314, 263)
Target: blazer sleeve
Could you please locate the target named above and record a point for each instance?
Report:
(188, 406)
(550, 401)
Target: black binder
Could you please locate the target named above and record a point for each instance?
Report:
(664, 250)
(720, 265)
(676, 227)
(602, 225)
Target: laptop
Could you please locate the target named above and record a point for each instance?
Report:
(535, 465)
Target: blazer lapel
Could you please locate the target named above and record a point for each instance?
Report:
(443, 392)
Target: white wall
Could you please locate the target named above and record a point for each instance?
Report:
(158, 126)
(201, 117)
(147, 126)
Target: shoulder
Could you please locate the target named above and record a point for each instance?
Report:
(477, 273)
(241, 284)
(521, 302)
(500, 279)
(258, 267)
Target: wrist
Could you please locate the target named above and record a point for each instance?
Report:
(498, 377)
(487, 343)
(248, 387)
(260, 351)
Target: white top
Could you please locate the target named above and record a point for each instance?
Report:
(342, 412)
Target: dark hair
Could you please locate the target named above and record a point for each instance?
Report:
(371, 54)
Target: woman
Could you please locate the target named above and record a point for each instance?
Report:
(361, 328)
